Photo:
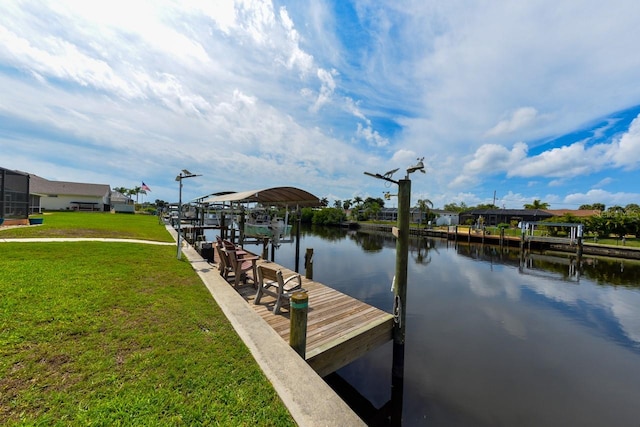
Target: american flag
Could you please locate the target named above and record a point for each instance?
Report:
(145, 187)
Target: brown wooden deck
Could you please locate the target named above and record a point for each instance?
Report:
(340, 329)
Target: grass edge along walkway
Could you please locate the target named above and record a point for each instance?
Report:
(306, 395)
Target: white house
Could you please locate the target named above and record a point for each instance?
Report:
(121, 203)
(446, 217)
(62, 195)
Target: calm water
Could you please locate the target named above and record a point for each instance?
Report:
(491, 343)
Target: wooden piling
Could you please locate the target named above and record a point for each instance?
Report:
(265, 247)
(299, 307)
(400, 300)
(308, 264)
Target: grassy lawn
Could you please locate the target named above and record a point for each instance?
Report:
(119, 334)
(632, 242)
(93, 224)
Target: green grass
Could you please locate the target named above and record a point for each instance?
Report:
(120, 334)
(632, 242)
(94, 224)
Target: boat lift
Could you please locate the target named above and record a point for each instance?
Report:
(270, 197)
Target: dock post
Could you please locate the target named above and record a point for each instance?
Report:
(241, 227)
(522, 239)
(298, 226)
(299, 306)
(308, 264)
(265, 247)
(400, 300)
(580, 244)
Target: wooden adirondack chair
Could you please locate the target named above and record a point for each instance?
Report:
(241, 266)
(272, 282)
(224, 264)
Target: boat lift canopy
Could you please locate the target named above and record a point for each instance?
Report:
(278, 196)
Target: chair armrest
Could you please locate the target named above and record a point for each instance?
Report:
(295, 276)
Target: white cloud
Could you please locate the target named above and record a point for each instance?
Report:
(603, 182)
(352, 107)
(562, 163)
(490, 159)
(372, 137)
(326, 90)
(519, 119)
(601, 196)
(626, 151)
(568, 161)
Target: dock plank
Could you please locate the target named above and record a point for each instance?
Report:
(340, 328)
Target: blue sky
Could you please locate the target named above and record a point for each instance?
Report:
(538, 100)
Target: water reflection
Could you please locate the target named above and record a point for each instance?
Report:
(491, 341)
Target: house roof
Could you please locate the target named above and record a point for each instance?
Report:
(269, 196)
(39, 185)
(118, 197)
(14, 171)
(574, 212)
(509, 212)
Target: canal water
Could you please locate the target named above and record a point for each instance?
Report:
(491, 341)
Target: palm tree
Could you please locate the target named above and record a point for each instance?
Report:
(537, 204)
(137, 191)
(423, 205)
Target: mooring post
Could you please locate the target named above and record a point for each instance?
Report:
(400, 300)
(308, 264)
(522, 237)
(580, 244)
(273, 251)
(241, 225)
(265, 247)
(223, 227)
(298, 306)
(298, 225)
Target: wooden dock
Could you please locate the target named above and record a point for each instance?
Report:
(340, 329)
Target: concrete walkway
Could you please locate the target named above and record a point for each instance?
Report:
(306, 395)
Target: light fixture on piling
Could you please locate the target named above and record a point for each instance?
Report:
(417, 167)
(184, 174)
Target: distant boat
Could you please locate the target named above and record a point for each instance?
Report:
(212, 218)
(260, 224)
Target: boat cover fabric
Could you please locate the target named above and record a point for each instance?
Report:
(269, 196)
